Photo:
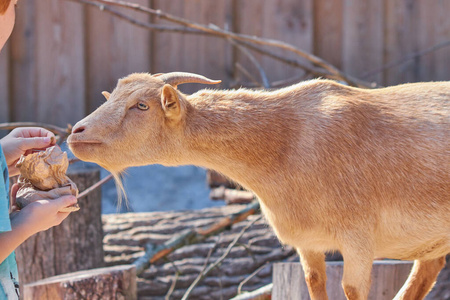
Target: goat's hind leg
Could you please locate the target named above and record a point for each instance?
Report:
(421, 279)
(314, 267)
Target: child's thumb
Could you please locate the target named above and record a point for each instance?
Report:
(65, 201)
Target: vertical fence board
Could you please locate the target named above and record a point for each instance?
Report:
(115, 48)
(442, 56)
(200, 54)
(363, 37)
(433, 27)
(328, 31)
(289, 21)
(59, 72)
(4, 84)
(23, 64)
(400, 40)
(411, 27)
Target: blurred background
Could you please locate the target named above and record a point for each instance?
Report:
(63, 54)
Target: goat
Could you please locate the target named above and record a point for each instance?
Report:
(364, 172)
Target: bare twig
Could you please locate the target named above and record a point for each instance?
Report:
(214, 30)
(262, 73)
(94, 186)
(264, 293)
(251, 276)
(404, 60)
(172, 286)
(219, 260)
(247, 74)
(145, 25)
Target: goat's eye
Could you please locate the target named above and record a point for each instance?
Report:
(142, 106)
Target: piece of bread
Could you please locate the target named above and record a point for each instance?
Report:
(43, 176)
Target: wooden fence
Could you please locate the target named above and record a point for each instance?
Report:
(63, 54)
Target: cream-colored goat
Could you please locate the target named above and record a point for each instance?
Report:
(365, 172)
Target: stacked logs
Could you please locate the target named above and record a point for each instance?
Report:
(127, 234)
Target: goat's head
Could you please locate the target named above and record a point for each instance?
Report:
(137, 125)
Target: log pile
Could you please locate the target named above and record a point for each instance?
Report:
(127, 234)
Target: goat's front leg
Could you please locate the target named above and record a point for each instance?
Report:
(357, 272)
(421, 279)
(313, 264)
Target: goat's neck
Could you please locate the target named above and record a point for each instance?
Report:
(243, 135)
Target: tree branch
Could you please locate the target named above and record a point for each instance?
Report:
(329, 69)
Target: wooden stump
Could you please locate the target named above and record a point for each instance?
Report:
(74, 245)
(117, 282)
(387, 279)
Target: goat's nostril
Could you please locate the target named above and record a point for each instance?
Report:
(78, 129)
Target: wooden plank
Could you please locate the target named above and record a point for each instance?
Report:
(23, 64)
(289, 21)
(117, 282)
(115, 48)
(328, 30)
(60, 89)
(4, 85)
(400, 40)
(363, 37)
(413, 26)
(433, 28)
(204, 55)
(387, 279)
(442, 34)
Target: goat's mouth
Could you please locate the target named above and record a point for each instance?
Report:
(71, 140)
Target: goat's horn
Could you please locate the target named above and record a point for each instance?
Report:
(176, 78)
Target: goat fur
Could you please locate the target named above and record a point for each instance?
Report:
(336, 168)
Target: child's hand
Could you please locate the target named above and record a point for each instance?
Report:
(21, 141)
(41, 215)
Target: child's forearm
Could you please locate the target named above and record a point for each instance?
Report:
(10, 240)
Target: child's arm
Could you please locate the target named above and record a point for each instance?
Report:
(35, 217)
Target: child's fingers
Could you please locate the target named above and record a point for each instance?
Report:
(35, 143)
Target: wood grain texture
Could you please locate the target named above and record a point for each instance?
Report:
(60, 85)
(289, 21)
(328, 22)
(363, 37)
(105, 283)
(114, 49)
(387, 279)
(23, 64)
(204, 55)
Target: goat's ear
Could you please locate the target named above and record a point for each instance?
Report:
(170, 102)
(106, 94)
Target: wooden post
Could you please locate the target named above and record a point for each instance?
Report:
(74, 245)
(118, 282)
(387, 279)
